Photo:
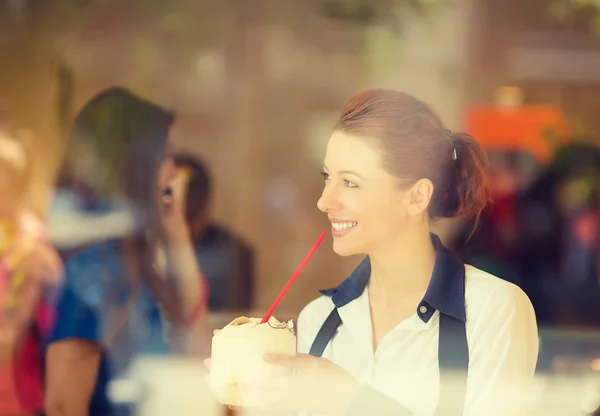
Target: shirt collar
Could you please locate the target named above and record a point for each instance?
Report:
(445, 293)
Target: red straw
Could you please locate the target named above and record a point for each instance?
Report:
(293, 278)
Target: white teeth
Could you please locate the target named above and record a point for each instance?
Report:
(342, 226)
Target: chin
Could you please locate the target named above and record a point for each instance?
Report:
(343, 249)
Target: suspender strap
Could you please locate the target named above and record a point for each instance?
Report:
(453, 357)
(326, 333)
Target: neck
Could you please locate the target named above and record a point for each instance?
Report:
(404, 265)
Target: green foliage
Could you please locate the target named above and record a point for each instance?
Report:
(567, 11)
(375, 11)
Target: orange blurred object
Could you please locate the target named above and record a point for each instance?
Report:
(536, 129)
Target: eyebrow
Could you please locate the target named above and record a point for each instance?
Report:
(342, 172)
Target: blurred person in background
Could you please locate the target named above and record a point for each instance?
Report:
(559, 250)
(29, 268)
(227, 261)
(378, 343)
(139, 291)
(493, 244)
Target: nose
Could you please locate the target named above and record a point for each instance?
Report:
(329, 201)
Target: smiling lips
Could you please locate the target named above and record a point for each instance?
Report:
(341, 228)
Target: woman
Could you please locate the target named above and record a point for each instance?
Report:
(391, 168)
(29, 268)
(140, 292)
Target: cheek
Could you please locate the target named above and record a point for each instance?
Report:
(168, 172)
(376, 217)
(380, 219)
(384, 216)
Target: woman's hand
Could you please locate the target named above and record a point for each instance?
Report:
(315, 385)
(182, 264)
(28, 265)
(45, 264)
(29, 258)
(31, 250)
(173, 222)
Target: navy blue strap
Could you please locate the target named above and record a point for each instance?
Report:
(326, 333)
(453, 357)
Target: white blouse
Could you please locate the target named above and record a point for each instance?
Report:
(501, 334)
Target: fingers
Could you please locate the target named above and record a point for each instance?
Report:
(39, 259)
(296, 362)
(215, 331)
(278, 359)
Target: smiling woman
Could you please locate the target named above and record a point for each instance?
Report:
(388, 146)
(382, 341)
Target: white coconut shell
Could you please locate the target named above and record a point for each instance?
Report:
(237, 358)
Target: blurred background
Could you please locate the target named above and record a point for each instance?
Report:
(257, 86)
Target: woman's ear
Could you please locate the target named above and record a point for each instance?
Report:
(419, 196)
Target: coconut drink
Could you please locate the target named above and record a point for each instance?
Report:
(237, 357)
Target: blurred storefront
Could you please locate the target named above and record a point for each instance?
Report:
(548, 48)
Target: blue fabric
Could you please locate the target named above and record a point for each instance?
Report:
(445, 293)
(90, 307)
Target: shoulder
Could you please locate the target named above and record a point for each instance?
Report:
(92, 270)
(488, 298)
(90, 277)
(483, 287)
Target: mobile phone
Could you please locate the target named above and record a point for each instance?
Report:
(167, 196)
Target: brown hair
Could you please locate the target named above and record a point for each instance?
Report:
(127, 135)
(415, 144)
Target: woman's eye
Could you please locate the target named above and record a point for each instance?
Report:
(325, 175)
(350, 184)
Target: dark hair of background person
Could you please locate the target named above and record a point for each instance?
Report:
(227, 259)
(199, 185)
